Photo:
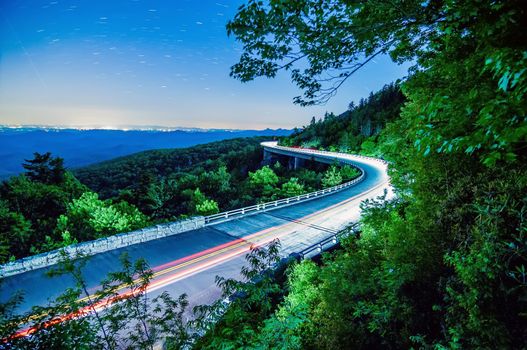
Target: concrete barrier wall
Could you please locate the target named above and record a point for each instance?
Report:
(102, 245)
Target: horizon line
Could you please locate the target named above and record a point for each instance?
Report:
(126, 127)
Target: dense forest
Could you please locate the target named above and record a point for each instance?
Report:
(48, 207)
(126, 173)
(440, 266)
(355, 130)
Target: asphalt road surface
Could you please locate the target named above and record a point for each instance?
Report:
(188, 262)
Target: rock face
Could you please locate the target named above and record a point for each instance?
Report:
(102, 245)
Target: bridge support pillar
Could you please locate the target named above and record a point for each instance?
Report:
(299, 162)
(295, 163)
(267, 156)
(291, 163)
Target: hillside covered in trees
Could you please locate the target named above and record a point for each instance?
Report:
(355, 130)
(109, 177)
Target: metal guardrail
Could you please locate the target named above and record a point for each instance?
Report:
(212, 219)
(327, 243)
(341, 157)
(317, 248)
(334, 155)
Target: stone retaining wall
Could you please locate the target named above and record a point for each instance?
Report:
(102, 245)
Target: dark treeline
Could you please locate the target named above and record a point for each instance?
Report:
(166, 184)
(355, 130)
(127, 173)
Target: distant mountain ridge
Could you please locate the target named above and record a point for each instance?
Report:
(80, 147)
(30, 127)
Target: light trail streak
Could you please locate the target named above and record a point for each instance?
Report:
(218, 254)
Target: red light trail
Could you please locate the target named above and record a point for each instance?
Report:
(181, 268)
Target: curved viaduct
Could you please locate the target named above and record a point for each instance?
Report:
(188, 262)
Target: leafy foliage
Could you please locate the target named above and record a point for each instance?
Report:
(332, 177)
(43, 168)
(132, 321)
(238, 156)
(204, 206)
(29, 210)
(263, 182)
(292, 188)
(163, 183)
(232, 325)
(288, 326)
(443, 264)
(40, 214)
(88, 217)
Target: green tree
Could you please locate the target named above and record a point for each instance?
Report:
(207, 207)
(310, 178)
(264, 182)
(89, 217)
(235, 324)
(368, 147)
(160, 197)
(350, 128)
(288, 328)
(15, 234)
(45, 168)
(200, 204)
(130, 319)
(332, 177)
(349, 173)
(442, 266)
(469, 59)
(216, 182)
(50, 244)
(263, 177)
(292, 188)
(35, 207)
(142, 187)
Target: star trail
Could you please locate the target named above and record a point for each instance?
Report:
(135, 63)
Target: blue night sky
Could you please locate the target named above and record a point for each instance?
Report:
(132, 63)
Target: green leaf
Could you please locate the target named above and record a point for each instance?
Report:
(504, 81)
(427, 151)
